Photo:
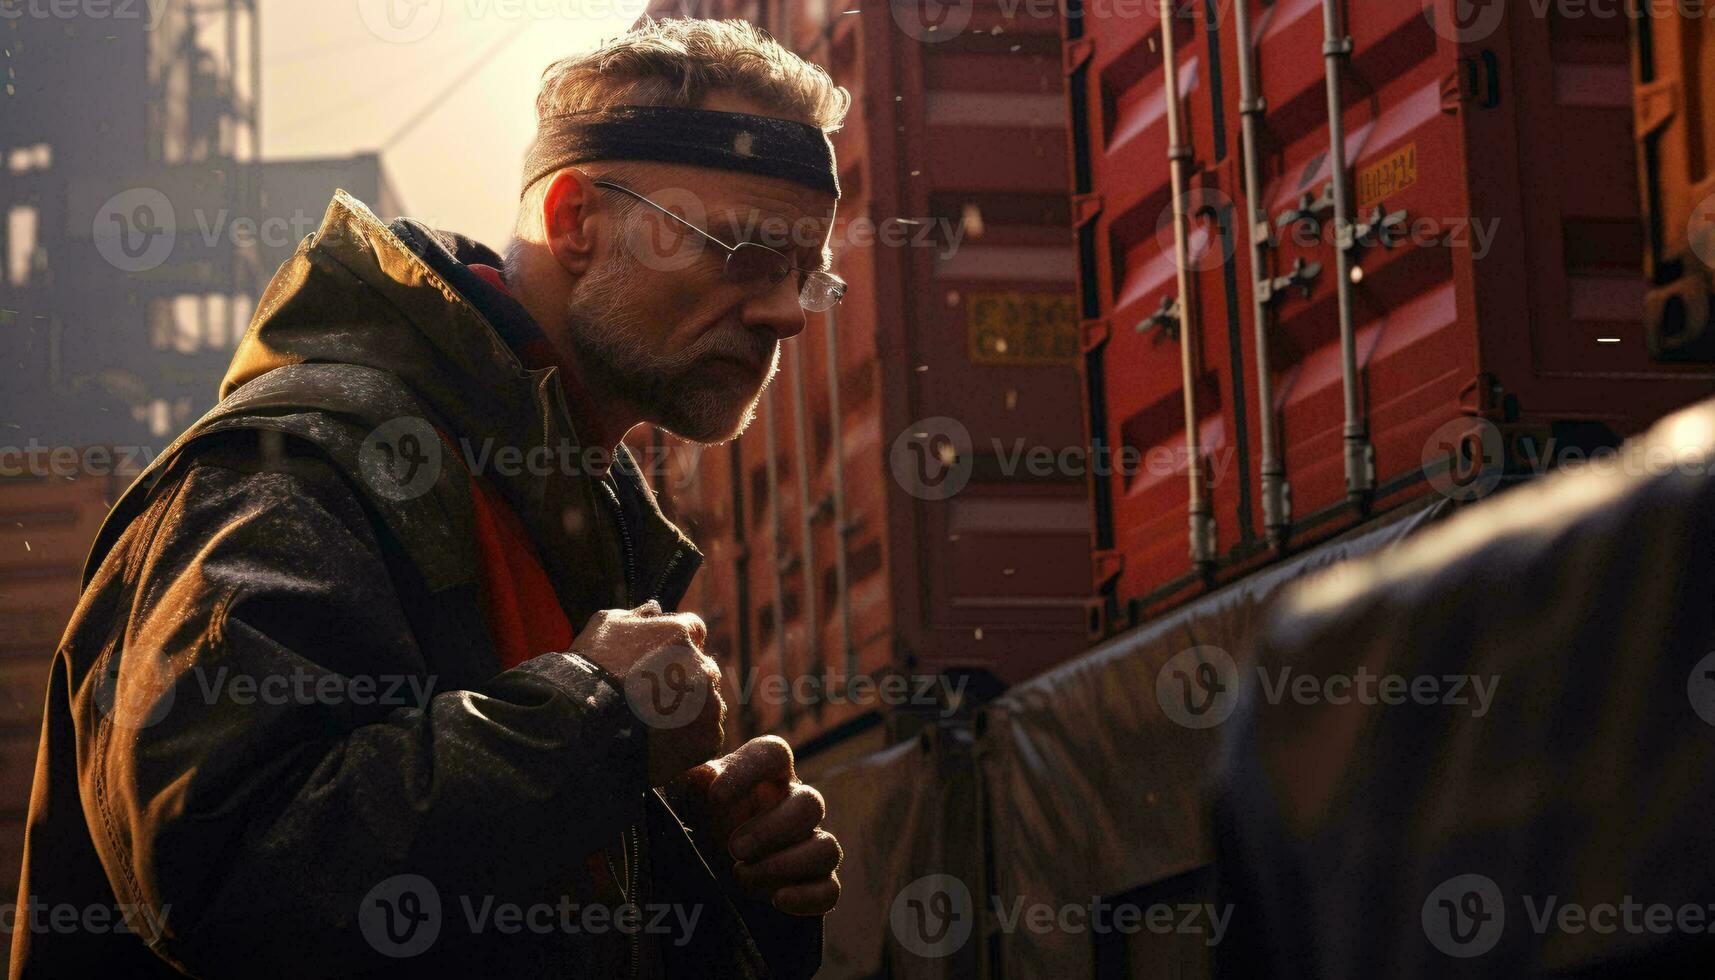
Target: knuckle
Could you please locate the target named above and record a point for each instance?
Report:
(773, 747)
(813, 798)
(712, 671)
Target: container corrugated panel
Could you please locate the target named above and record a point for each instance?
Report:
(1511, 290)
(989, 339)
(953, 232)
(696, 488)
(1123, 205)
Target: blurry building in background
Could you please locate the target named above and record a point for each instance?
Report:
(125, 147)
(140, 222)
(138, 226)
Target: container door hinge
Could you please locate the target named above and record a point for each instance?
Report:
(1106, 566)
(1482, 395)
(1655, 105)
(1382, 228)
(1077, 53)
(1165, 319)
(1096, 334)
(1475, 80)
(1085, 207)
(1303, 276)
(1309, 211)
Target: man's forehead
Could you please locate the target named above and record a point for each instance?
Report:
(792, 203)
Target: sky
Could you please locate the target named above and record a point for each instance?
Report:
(350, 78)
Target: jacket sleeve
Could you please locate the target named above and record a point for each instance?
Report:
(262, 746)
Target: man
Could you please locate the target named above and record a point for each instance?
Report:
(377, 670)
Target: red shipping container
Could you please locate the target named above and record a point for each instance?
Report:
(887, 512)
(1489, 236)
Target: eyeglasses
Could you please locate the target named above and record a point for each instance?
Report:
(751, 264)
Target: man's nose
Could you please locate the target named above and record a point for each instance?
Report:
(775, 308)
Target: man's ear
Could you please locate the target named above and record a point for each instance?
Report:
(568, 221)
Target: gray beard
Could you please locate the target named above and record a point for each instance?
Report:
(606, 336)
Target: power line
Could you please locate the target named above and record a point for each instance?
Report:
(324, 115)
(321, 50)
(440, 97)
(373, 95)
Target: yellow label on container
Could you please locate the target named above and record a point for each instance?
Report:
(1388, 176)
(1022, 328)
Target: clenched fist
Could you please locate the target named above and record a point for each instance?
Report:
(670, 683)
(770, 824)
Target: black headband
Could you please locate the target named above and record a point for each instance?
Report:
(739, 141)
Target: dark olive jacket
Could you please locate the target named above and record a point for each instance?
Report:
(278, 740)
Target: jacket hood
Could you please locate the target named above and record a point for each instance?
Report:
(357, 292)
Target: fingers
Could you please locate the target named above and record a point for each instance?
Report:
(776, 828)
(649, 618)
(697, 780)
(810, 860)
(818, 898)
(778, 850)
(684, 629)
(695, 628)
(765, 759)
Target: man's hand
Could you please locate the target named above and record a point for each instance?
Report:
(771, 825)
(671, 684)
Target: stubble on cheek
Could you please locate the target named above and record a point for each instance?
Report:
(655, 341)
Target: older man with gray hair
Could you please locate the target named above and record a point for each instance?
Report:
(378, 669)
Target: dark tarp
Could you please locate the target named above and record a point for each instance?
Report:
(1411, 840)
(1093, 790)
(905, 814)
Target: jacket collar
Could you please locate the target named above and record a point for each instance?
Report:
(398, 300)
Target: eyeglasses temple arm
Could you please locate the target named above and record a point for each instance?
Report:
(631, 193)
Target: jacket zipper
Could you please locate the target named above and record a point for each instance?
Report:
(624, 543)
(629, 840)
(666, 573)
(631, 557)
(636, 875)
